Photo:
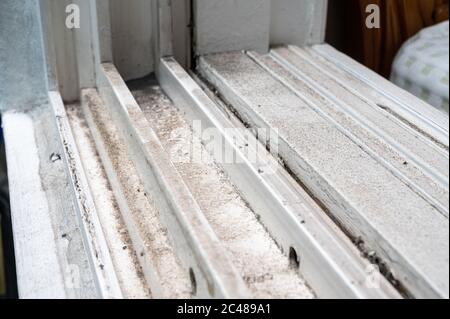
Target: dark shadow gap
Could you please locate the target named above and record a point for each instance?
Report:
(7, 251)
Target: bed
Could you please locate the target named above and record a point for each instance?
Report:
(422, 66)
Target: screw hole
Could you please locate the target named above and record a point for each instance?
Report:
(294, 260)
(193, 281)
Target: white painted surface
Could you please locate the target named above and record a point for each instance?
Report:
(298, 22)
(70, 54)
(229, 25)
(84, 46)
(385, 136)
(181, 19)
(393, 220)
(330, 263)
(149, 239)
(64, 50)
(131, 32)
(195, 241)
(404, 104)
(250, 247)
(124, 256)
(233, 25)
(23, 81)
(89, 223)
(101, 36)
(39, 274)
(49, 47)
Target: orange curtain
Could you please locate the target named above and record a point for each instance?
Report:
(400, 20)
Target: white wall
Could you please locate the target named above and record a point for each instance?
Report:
(299, 22)
(226, 25)
(229, 25)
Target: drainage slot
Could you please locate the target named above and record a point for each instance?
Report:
(294, 260)
(193, 281)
